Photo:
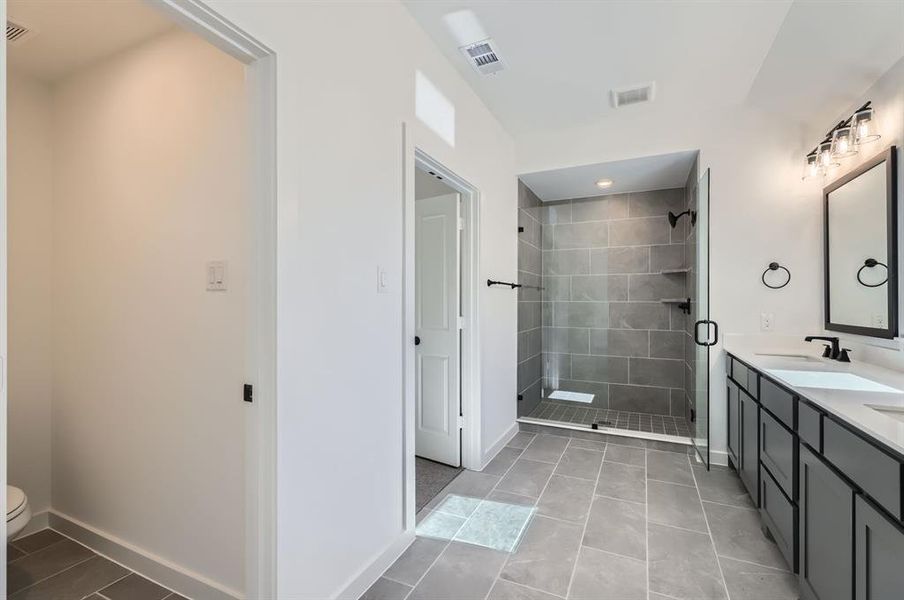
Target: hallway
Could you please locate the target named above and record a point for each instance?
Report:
(611, 521)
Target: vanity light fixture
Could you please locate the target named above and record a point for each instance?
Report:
(844, 140)
(604, 183)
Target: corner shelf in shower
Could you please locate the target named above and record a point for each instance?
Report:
(682, 303)
(673, 300)
(675, 271)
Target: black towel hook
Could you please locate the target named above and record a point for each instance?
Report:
(774, 266)
(870, 263)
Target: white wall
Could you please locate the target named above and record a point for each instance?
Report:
(340, 187)
(30, 163)
(149, 184)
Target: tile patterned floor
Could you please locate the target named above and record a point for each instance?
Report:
(47, 566)
(612, 522)
(618, 419)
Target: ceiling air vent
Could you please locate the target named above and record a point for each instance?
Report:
(633, 95)
(483, 57)
(16, 33)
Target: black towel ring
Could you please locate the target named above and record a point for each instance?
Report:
(870, 263)
(774, 266)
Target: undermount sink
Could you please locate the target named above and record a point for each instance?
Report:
(789, 356)
(831, 380)
(894, 412)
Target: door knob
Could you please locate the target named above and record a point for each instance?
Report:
(417, 340)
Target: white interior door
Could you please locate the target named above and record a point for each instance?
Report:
(437, 310)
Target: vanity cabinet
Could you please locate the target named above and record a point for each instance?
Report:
(826, 532)
(830, 496)
(878, 554)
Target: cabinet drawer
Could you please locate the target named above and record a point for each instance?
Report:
(878, 548)
(808, 425)
(777, 452)
(777, 401)
(739, 373)
(780, 516)
(753, 380)
(876, 472)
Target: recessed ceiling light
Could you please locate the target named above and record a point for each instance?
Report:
(604, 183)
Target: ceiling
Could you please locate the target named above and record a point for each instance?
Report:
(663, 172)
(563, 58)
(70, 34)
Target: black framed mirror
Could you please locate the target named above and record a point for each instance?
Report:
(861, 240)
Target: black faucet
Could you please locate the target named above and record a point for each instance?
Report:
(835, 352)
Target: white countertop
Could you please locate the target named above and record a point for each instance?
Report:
(849, 406)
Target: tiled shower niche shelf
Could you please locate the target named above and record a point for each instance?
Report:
(674, 300)
(675, 271)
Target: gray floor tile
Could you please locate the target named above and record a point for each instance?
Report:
(502, 461)
(521, 440)
(462, 571)
(599, 446)
(623, 440)
(99, 597)
(386, 589)
(75, 583)
(617, 526)
(471, 484)
(566, 498)
(175, 596)
(36, 541)
(526, 477)
(12, 553)
(577, 462)
(546, 556)
(625, 455)
(737, 534)
(623, 482)
(48, 561)
(683, 564)
(746, 581)
(676, 505)
(722, 485)
(135, 587)
(415, 561)
(603, 575)
(506, 590)
(509, 498)
(546, 448)
(668, 466)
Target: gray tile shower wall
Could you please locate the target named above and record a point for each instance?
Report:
(606, 330)
(530, 269)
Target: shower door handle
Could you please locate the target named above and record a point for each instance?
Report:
(706, 342)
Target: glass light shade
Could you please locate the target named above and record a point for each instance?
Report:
(864, 126)
(843, 143)
(826, 160)
(811, 168)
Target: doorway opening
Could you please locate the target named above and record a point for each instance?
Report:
(444, 392)
(141, 300)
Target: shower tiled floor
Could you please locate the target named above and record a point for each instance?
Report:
(48, 566)
(617, 419)
(610, 522)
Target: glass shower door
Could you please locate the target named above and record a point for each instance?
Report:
(705, 331)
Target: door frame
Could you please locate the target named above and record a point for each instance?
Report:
(413, 158)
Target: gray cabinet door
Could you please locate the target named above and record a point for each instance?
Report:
(734, 423)
(826, 532)
(878, 555)
(749, 459)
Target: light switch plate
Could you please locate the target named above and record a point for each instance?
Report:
(216, 276)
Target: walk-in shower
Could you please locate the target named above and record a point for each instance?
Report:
(606, 312)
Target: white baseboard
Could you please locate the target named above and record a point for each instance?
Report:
(188, 583)
(361, 582)
(498, 445)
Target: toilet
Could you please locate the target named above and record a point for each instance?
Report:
(18, 513)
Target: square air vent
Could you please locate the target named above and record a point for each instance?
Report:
(483, 56)
(16, 33)
(632, 95)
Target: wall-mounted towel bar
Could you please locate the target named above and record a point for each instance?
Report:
(491, 283)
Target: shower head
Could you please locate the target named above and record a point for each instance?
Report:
(673, 218)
